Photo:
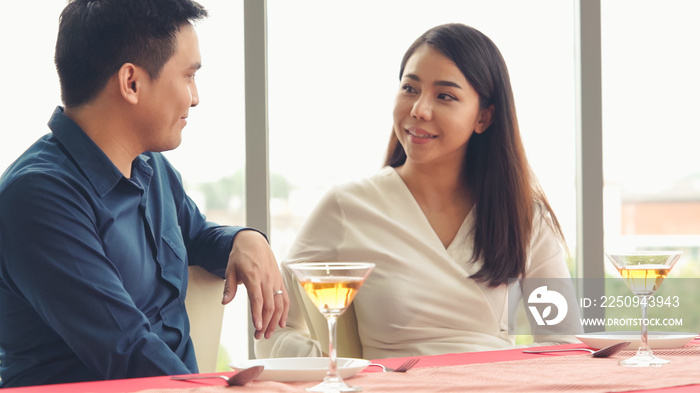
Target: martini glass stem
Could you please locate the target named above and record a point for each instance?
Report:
(644, 342)
(332, 375)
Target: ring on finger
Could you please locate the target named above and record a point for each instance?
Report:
(279, 292)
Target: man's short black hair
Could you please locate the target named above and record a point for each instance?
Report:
(96, 37)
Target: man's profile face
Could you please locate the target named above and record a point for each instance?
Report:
(166, 100)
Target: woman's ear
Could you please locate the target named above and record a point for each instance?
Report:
(485, 119)
(129, 77)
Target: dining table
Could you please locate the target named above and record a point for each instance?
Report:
(508, 370)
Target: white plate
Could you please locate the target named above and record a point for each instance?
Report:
(656, 339)
(300, 369)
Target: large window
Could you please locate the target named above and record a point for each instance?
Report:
(650, 137)
(31, 83)
(333, 76)
(650, 128)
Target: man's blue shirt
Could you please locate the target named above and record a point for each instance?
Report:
(93, 265)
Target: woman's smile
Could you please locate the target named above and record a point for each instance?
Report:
(419, 136)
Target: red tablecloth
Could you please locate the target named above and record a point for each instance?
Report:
(164, 382)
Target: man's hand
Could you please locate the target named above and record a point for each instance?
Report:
(253, 264)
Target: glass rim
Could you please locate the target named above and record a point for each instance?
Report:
(324, 265)
(648, 252)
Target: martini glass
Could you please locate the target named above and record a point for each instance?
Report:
(332, 286)
(644, 271)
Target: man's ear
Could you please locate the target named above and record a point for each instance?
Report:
(485, 119)
(130, 79)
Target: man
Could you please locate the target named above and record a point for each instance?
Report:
(96, 231)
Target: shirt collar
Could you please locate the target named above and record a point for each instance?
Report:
(92, 161)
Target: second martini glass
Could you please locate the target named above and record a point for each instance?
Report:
(644, 271)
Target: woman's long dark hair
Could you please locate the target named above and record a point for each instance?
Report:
(495, 170)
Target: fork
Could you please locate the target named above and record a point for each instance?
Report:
(405, 366)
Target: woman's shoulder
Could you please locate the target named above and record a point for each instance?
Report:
(373, 191)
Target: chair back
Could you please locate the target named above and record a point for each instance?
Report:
(206, 314)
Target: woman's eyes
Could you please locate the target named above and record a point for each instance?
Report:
(440, 96)
(447, 97)
(408, 89)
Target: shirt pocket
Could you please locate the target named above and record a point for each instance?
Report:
(173, 238)
(172, 257)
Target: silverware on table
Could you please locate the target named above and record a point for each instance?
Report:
(601, 353)
(238, 379)
(405, 366)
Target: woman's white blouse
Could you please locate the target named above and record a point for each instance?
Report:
(419, 299)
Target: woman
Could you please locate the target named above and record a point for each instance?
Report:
(454, 214)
